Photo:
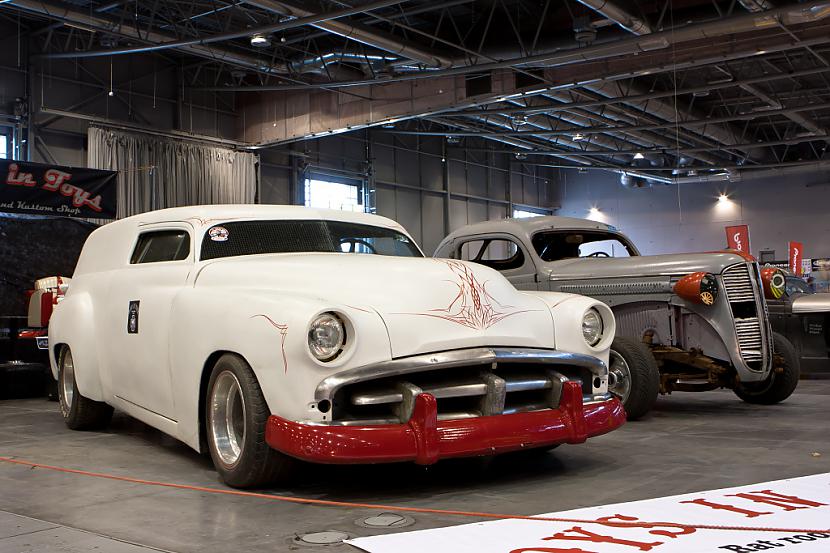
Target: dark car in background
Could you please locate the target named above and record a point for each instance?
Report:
(803, 316)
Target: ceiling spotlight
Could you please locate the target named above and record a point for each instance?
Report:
(453, 140)
(578, 136)
(723, 198)
(594, 210)
(520, 121)
(260, 40)
(520, 156)
(639, 155)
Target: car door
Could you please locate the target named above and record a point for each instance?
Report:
(502, 252)
(140, 300)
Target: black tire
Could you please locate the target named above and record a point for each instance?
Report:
(257, 463)
(79, 412)
(780, 385)
(643, 372)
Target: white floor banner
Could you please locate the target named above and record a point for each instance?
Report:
(781, 516)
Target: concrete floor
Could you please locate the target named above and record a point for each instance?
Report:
(691, 442)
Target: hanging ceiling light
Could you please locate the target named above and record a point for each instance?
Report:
(639, 155)
(260, 40)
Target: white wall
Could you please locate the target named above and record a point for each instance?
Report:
(666, 219)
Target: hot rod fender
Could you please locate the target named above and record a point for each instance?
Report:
(74, 316)
(567, 311)
(270, 333)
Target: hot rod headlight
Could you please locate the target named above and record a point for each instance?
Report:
(326, 337)
(775, 282)
(592, 327)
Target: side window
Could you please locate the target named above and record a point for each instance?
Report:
(164, 245)
(497, 253)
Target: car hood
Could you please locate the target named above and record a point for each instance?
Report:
(426, 304)
(638, 266)
(811, 303)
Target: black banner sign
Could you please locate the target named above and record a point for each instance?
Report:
(40, 189)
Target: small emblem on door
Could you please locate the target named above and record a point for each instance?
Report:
(132, 318)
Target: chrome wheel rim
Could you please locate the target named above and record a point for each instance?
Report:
(619, 376)
(67, 382)
(227, 418)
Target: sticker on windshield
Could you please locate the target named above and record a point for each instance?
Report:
(218, 234)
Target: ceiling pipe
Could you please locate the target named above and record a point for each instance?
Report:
(756, 6)
(99, 23)
(309, 19)
(811, 11)
(619, 16)
(358, 33)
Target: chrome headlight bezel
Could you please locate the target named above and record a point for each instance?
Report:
(326, 337)
(593, 327)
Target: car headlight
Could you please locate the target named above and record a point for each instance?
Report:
(775, 282)
(700, 287)
(326, 337)
(592, 327)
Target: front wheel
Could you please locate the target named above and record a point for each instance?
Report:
(782, 380)
(79, 412)
(633, 376)
(236, 415)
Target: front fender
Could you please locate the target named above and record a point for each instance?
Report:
(567, 311)
(269, 330)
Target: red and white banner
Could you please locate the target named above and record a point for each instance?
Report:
(782, 516)
(795, 257)
(737, 238)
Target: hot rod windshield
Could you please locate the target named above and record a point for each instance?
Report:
(236, 238)
(553, 245)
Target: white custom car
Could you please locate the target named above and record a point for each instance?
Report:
(266, 333)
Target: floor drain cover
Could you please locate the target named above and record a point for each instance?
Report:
(329, 537)
(386, 520)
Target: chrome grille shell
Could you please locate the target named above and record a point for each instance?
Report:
(742, 284)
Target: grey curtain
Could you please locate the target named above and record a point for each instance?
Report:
(155, 172)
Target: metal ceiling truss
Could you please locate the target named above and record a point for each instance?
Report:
(705, 86)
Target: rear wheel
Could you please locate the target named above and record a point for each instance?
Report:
(79, 412)
(236, 415)
(633, 376)
(781, 382)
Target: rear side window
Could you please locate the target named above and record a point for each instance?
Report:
(497, 253)
(163, 245)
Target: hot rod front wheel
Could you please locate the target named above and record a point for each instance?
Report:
(79, 412)
(633, 376)
(781, 382)
(235, 416)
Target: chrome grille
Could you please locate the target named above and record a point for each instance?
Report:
(738, 283)
(460, 393)
(740, 291)
(749, 339)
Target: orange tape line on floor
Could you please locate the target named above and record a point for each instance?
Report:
(373, 506)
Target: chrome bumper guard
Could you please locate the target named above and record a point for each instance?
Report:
(467, 383)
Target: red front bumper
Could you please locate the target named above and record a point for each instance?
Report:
(425, 440)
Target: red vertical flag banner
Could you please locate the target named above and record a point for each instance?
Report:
(796, 255)
(737, 238)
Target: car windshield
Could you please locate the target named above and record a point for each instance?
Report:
(237, 238)
(559, 244)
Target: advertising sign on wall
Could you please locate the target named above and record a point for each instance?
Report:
(41, 189)
(795, 257)
(737, 238)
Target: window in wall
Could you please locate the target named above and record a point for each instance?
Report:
(327, 194)
(5, 145)
(525, 213)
